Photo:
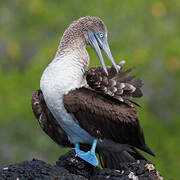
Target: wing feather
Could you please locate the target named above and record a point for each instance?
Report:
(47, 121)
(103, 117)
(120, 86)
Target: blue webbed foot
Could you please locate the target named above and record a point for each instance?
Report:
(89, 156)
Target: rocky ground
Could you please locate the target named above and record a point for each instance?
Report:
(70, 167)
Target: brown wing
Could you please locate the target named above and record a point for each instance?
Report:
(120, 86)
(47, 121)
(105, 117)
(52, 129)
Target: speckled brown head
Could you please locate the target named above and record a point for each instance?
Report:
(88, 31)
(79, 29)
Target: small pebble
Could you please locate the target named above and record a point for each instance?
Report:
(6, 168)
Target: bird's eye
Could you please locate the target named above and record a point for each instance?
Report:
(101, 35)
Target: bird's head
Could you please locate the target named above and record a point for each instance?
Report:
(90, 31)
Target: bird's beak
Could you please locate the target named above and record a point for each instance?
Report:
(98, 43)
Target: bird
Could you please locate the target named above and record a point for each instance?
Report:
(92, 109)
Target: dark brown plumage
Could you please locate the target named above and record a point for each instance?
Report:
(47, 121)
(102, 118)
(102, 112)
(119, 86)
(94, 107)
(50, 126)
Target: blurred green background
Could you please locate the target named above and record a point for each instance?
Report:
(144, 33)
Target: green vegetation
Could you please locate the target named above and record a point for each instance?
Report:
(144, 33)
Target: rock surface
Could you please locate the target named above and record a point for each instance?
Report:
(70, 167)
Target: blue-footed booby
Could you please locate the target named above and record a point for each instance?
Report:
(90, 109)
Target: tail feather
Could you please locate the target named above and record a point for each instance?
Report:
(113, 160)
(148, 150)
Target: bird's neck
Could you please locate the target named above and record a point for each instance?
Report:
(66, 71)
(76, 59)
